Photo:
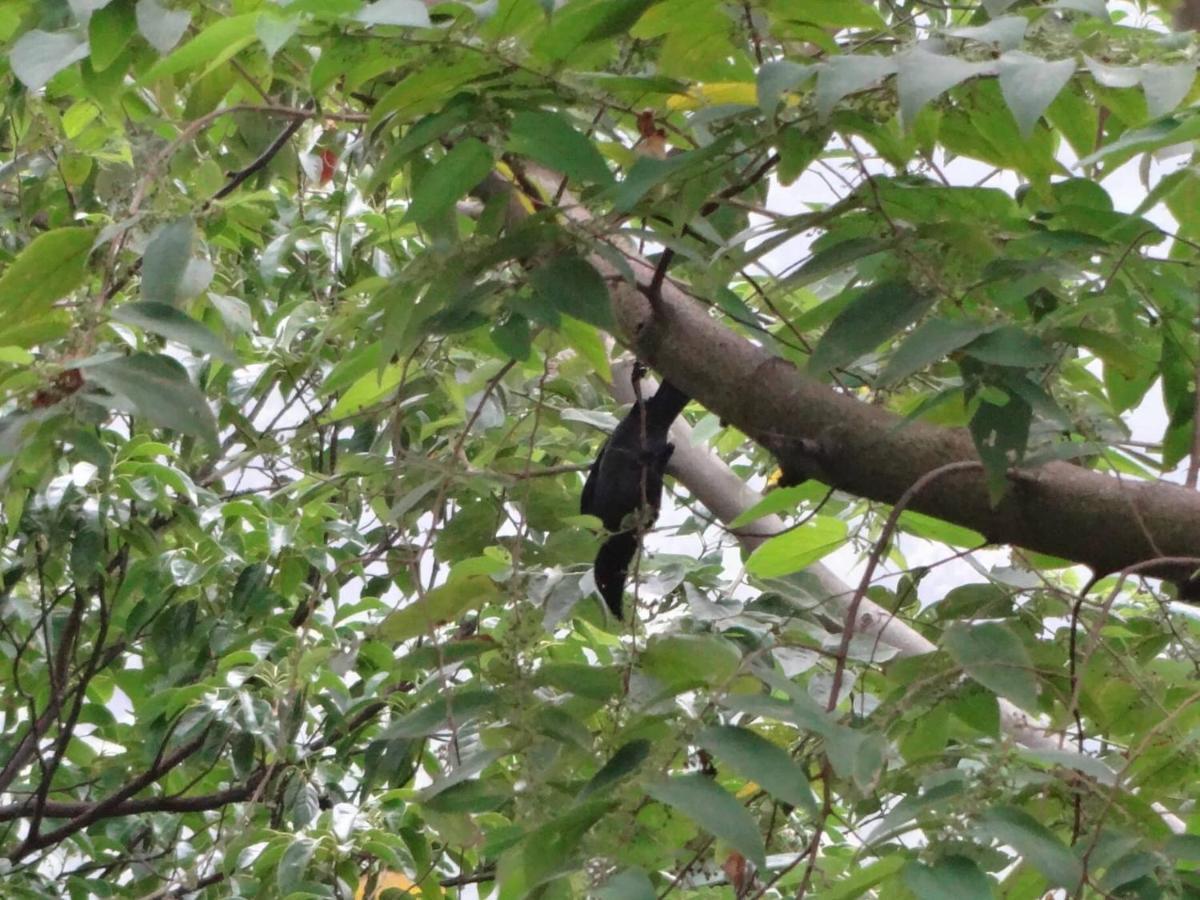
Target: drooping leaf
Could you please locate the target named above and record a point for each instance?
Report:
(549, 138)
(294, 863)
(869, 319)
(621, 765)
(171, 323)
(685, 660)
(166, 260)
(51, 266)
(160, 390)
(1044, 850)
(586, 22)
(109, 31)
(950, 878)
(995, 657)
(714, 810)
(467, 164)
(572, 286)
(1001, 434)
(757, 759)
(778, 500)
(439, 605)
(928, 344)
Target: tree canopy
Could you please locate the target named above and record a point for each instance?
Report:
(314, 314)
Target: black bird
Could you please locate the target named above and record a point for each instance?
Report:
(624, 485)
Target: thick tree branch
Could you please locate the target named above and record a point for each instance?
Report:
(1059, 509)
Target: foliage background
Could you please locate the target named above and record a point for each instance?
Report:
(302, 357)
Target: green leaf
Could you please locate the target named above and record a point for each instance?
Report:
(1163, 133)
(1009, 345)
(797, 548)
(368, 390)
(547, 852)
(461, 109)
(512, 337)
(214, 45)
(165, 261)
(833, 259)
(587, 341)
(647, 173)
(1001, 434)
(624, 762)
(951, 878)
(160, 390)
(431, 88)
(778, 500)
(630, 884)
(1036, 843)
(31, 332)
(931, 342)
(463, 706)
(714, 810)
(109, 31)
(549, 138)
(572, 286)
(585, 22)
(755, 758)
(467, 164)
(593, 682)
(867, 321)
(441, 604)
(168, 322)
(293, 864)
(51, 265)
(995, 657)
(1113, 350)
(863, 878)
(686, 660)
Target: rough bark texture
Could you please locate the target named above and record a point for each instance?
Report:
(1059, 509)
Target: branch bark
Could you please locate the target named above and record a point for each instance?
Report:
(1059, 509)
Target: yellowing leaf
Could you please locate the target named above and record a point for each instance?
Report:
(716, 93)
